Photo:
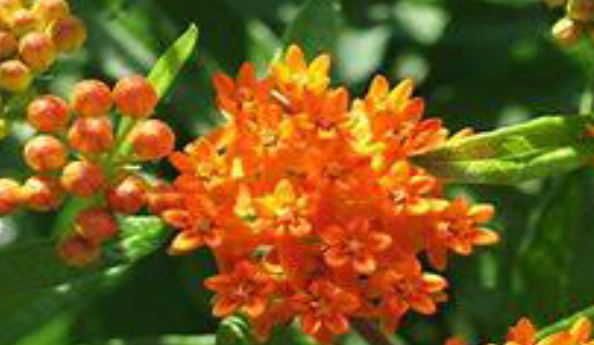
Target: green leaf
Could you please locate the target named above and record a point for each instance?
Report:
(168, 66)
(316, 27)
(166, 340)
(540, 148)
(234, 330)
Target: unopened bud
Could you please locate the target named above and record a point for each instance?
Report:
(10, 196)
(45, 153)
(48, 114)
(96, 225)
(15, 76)
(83, 179)
(566, 32)
(163, 197)
(91, 98)
(9, 7)
(135, 97)
(152, 140)
(43, 193)
(91, 135)
(8, 44)
(580, 10)
(69, 34)
(38, 51)
(128, 196)
(51, 10)
(77, 251)
(24, 21)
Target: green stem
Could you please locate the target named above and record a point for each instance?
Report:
(565, 323)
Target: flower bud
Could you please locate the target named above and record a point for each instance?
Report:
(83, 179)
(10, 196)
(566, 32)
(24, 21)
(96, 225)
(152, 140)
(15, 76)
(45, 153)
(162, 197)
(38, 51)
(77, 251)
(91, 135)
(8, 44)
(48, 114)
(43, 193)
(135, 97)
(91, 98)
(580, 10)
(69, 34)
(128, 196)
(51, 10)
(9, 7)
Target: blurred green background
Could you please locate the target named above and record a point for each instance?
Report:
(479, 63)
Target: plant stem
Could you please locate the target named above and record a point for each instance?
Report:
(565, 323)
(369, 331)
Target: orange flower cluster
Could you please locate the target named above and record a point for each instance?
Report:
(31, 37)
(312, 205)
(524, 333)
(101, 169)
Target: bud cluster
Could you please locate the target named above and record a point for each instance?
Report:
(578, 21)
(75, 152)
(31, 38)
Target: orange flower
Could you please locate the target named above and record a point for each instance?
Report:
(245, 289)
(356, 244)
(410, 189)
(324, 307)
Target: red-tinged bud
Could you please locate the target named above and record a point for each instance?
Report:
(45, 153)
(162, 197)
(152, 140)
(91, 135)
(83, 179)
(38, 51)
(135, 97)
(566, 32)
(91, 98)
(51, 10)
(580, 10)
(48, 114)
(128, 196)
(15, 76)
(96, 225)
(69, 34)
(24, 21)
(43, 193)
(8, 44)
(79, 252)
(11, 196)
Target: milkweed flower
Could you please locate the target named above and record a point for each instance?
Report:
(312, 205)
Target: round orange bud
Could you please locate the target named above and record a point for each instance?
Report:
(8, 44)
(96, 225)
(43, 193)
(24, 21)
(10, 196)
(163, 197)
(566, 32)
(68, 33)
(45, 153)
(77, 251)
(91, 135)
(51, 10)
(15, 76)
(152, 140)
(38, 51)
(91, 98)
(135, 96)
(48, 114)
(128, 196)
(83, 178)
(8, 8)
